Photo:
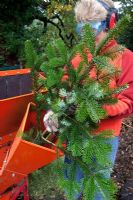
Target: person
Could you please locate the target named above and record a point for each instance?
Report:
(102, 16)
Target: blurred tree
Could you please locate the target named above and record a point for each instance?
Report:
(16, 19)
(13, 16)
(127, 8)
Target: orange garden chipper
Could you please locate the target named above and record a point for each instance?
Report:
(18, 157)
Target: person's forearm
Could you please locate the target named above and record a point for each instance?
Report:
(122, 107)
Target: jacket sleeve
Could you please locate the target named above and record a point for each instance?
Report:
(124, 107)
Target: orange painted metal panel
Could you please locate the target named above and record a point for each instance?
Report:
(26, 157)
(6, 196)
(19, 158)
(5, 144)
(9, 178)
(13, 192)
(7, 138)
(15, 72)
(12, 111)
(22, 187)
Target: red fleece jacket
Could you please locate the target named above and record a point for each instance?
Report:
(124, 106)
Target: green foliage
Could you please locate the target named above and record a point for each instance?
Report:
(115, 32)
(127, 37)
(30, 54)
(43, 183)
(36, 20)
(80, 115)
(14, 15)
(33, 136)
(86, 95)
(103, 186)
(89, 39)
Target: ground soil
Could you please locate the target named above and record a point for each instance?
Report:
(123, 169)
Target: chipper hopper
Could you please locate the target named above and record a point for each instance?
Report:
(18, 157)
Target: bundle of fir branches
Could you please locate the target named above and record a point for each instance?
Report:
(78, 103)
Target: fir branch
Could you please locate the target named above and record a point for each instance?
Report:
(89, 38)
(86, 72)
(114, 33)
(77, 124)
(77, 159)
(113, 52)
(87, 94)
(67, 153)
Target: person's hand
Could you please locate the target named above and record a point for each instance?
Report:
(50, 121)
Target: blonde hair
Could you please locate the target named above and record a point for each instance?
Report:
(91, 10)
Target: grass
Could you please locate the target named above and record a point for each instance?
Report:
(43, 183)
